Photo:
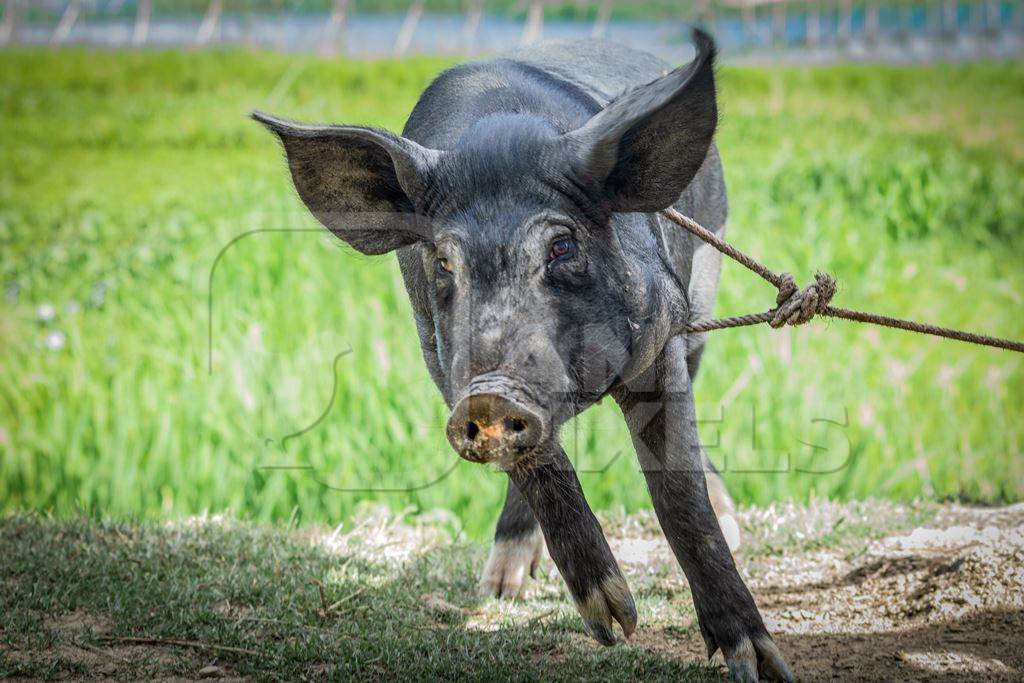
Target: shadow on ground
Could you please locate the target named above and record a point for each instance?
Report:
(885, 593)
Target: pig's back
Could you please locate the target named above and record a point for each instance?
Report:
(564, 82)
(602, 69)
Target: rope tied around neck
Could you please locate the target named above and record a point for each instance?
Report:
(795, 306)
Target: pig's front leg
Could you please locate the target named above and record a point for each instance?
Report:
(517, 551)
(659, 411)
(576, 543)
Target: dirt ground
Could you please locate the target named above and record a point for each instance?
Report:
(865, 591)
(870, 591)
(943, 601)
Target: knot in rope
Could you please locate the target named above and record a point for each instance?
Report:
(795, 306)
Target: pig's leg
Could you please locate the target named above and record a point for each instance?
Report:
(517, 551)
(659, 411)
(576, 543)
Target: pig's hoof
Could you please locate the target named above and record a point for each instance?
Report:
(610, 600)
(757, 658)
(509, 563)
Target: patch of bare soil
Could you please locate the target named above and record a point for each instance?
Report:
(112, 660)
(79, 622)
(940, 602)
(100, 662)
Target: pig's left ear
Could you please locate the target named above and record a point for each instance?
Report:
(361, 183)
(645, 147)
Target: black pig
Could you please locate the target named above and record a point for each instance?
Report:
(521, 200)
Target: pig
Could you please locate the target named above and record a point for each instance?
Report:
(521, 200)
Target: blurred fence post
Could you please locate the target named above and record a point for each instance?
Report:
(932, 19)
(210, 23)
(706, 15)
(604, 14)
(7, 27)
(748, 12)
(474, 15)
(949, 18)
(405, 33)
(280, 37)
(534, 27)
(67, 22)
(779, 23)
(871, 22)
(904, 23)
(845, 21)
(246, 34)
(992, 18)
(334, 30)
(142, 16)
(812, 29)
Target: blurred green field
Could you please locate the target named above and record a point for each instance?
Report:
(142, 217)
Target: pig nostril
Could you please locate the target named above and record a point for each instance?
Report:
(486, 427)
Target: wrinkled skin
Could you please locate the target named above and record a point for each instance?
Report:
(521, 201)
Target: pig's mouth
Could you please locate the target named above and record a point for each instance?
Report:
(497, 420)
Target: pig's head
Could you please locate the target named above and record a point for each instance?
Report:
(544, 280)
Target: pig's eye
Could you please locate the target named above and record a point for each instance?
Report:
(563, 247)
(444, 266)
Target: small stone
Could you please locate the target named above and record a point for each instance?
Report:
(211, 672)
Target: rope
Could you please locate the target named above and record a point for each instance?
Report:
(795, 306)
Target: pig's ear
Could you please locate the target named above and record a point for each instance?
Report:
(361, 183)
(645, 147)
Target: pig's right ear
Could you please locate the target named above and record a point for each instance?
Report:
(361, 183)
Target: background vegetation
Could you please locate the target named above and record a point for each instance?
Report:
(571, 9)
(134, 191)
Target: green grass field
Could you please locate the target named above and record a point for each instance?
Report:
(142, 216)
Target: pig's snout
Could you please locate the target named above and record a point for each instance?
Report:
(488, 427)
